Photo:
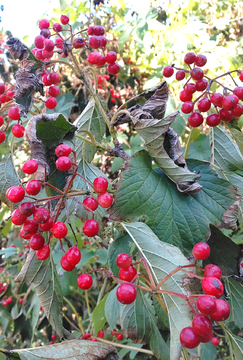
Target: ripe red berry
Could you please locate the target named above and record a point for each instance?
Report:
(15, 194)
(2, 88)
(100, 334)
(65, 264)
(41, 215)
(78, 43)
(105, 200)
(238, 91)
(59, 43)
(195, 119)
(18, 130)
(63, 150)
(43, 253)
(1, 121)
(187, 107)
(54, 91)
(215, 341)
(185, 96)
(63, 163)
(123, 261)
(59, 230)
(189, 58)
(190, 88)
(47, 54)
(197, 73)
(33, 187)
(202, 325)
(90, 203)
(113, 69)
(27, 208)
(49, 45)
(73, 255)
(225, 115)
(206, 304)
(99, 30)
(201, 85)
(30, 226)
(17, 218)
(206, 338)
(127, 274)
(237, 111)
(47, 225)
(51, 103)
(94, 42)
(86, 336)
(64, 19)
(204, 105)
(200, 60)
(119, 336)
(201, 251)
(100, 184)
(53, 78)
(13, 113)
(43, 24)
(212, 270)
(180, 75)
(90, 228)
(53, 337)
(39, 41)
(30, 167)
(46, 33)
(37, 241)
(21, 300)
(94, 58)
(111, 57)
(213, 120)
(126, 293)
(168, 71)
(2, 136)
(84, 281)
(222, 311)
(189, 338)
(217, 99)
(103, 41)
(57, 27)
(228, 102)
(90, 30)
(212, 286)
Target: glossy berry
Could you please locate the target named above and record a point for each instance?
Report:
(195, 119)
(64, 19)
(63, 163)
(94, 42)
(212, 286)
(197, 73)
(185, 96)
(90, 30)
(204, 105)
(47, 54)
(33, 187)
(100, 334)
(202, 325)
(217, 99)
(37, 241)
(49, 45)
(30, 226)
(57, 27)
(228, 102)
(206, 304)
(41, 215)
(113, 69)
(168, 71)
(94, 58)
(123, 261)
(180, 75)
(54, 91)
(73, 255)
(46, 226)
(90, 228)
(21, 300)
(51, 102)
(13, 113)
(90, 203)
(190, 88)
(59, 43)
(17, 218)
(105, 200)
(127, 274)
(18, 130)
(119, 336)
(111, 57)
(238, 91)
(2, 136)
(103, 41)
(39, 41)
(2, 88)
(78, 43)
(99, 30)
(65, 264)
(63, 150)
(222, 311)
(225, 115)
(237, 111)
(43, 24)
(189, 338)
(212, 270)
(1, 121)
(25, 235)
(126, 293)
(187, 107)
(189, 58)
(201, 251)
(215, 341)
(30, 167)
(53, 337)
(213, 120)
(201, 85)
(27, 208)
(53, 78)
(200, 60)
(15, 194)
(206, 338)
(100, 184)
(43, 253)
(84, 281)
(59, 230)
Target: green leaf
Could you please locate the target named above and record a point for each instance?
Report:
(163, 258)
(72, 349)
(237, 345)
(235, 290)
(200, 148)
(162, 315)
(175, 218)
(125, 35)
(98, 315)
(226, 153)
(238, 137)
(8, 178)
(237, 180)
(44, 277)
(208, 351)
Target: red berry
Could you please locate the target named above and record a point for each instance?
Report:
(94, 42)
(63, 163)
(1, 121)
(43, 24)
(212, 270)
(202, 325)
(59, 230)
(111, 57)
(2, 88)
(123, 261)
(84, 281)
(43, 253)
(100, 184)
(17, 218)
(2, 136)
(126, 293)
(37, 241)
(33, 187)
(113, 69)
(30, 227)
(185, 96)
(195, 119)
(99, 30)
(215, 341)
(206, 338)
(213, 120)
(54, 91)
(9, 300)
(18, 130)
(78, 43)
(46, 33)
(201, 60)
(90, 228)
(201, 251)
(238, 91)
(65, 264)
(27, 208)
(235, 97)
(100, 334)
(197, 73)
(57, 27)
(119, 336)
(90, 30)
(30, 167)
(168, 71)
(189, 338)
(39, 41)
(47, 54)
(94, 58)
(105, 200)
(51, 103)
(225, 115)
(41, 215)
(47, 225)
(103, 41)
(204, 105)
(49, 45)
(222, 311)
(86, 336)
(189, 58)
(64, 19)
(53, 337)
(187, 107)
(201, 84)
(90, 203)
(59, 43)
(217, 99)
(21, 300)
(73, 255)
(212, 286)
(180, 75)
(15, 194)
(206, 304)
(53, 78)
(190, 88)
(228, 102)
(13, 113)
(237, 111)
(127, 274)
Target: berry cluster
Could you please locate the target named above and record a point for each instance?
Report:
(126, 292)
(221, 107)
(208, 305)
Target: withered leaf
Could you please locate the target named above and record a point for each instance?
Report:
(17, 49)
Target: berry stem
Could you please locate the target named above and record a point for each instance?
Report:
(91, 140)
(189, 140)
(76, 314)
(68, 220)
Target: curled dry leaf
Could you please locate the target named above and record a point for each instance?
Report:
(230, 217)
(17, 49)
(118, 151)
